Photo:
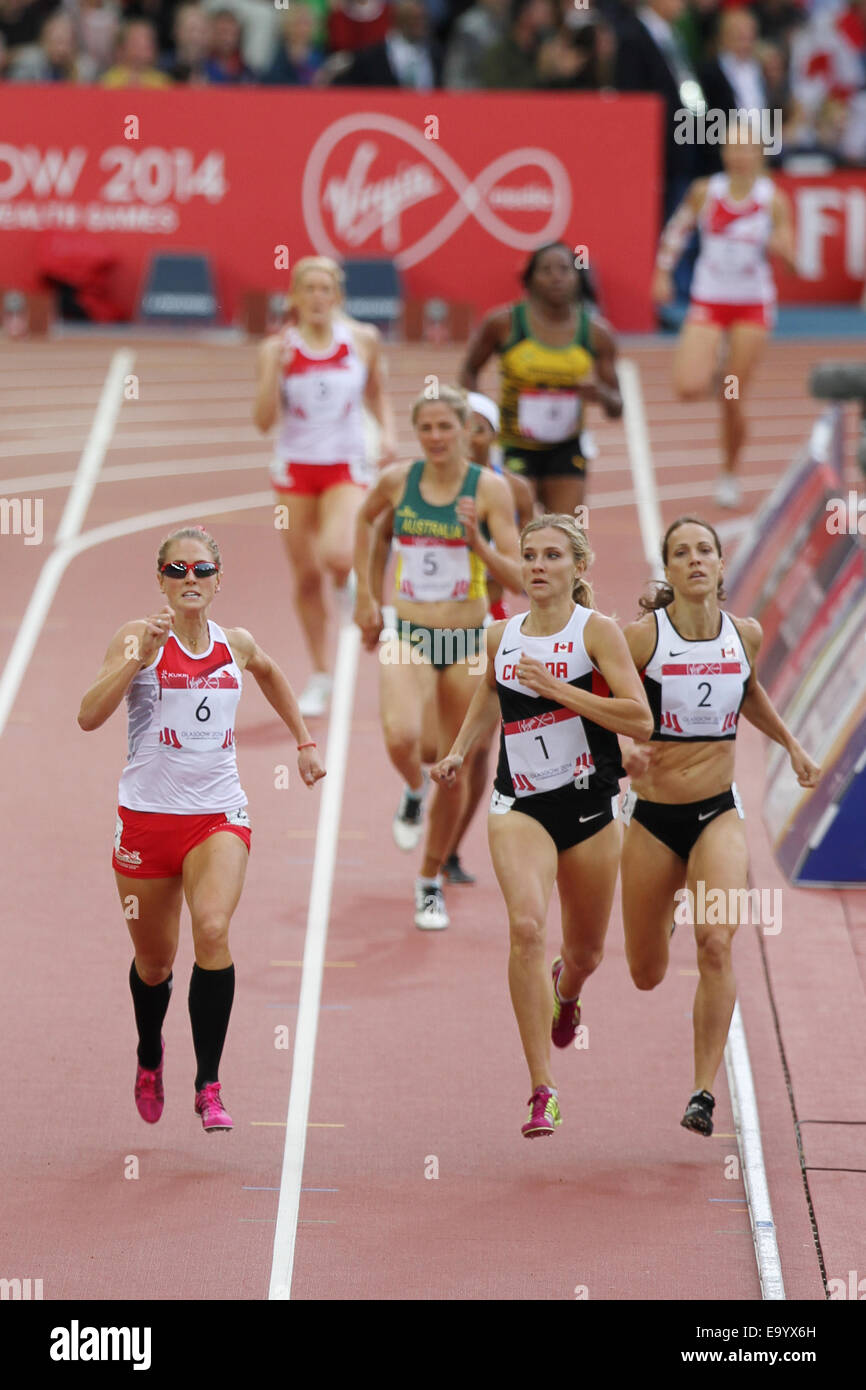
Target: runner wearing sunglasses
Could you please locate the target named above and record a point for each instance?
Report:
(182, 829)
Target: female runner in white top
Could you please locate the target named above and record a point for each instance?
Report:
(684, 819)
(563, 680)
(742, 218)
(182, 830)
(314, 378)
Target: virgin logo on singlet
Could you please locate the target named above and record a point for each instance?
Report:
(700, 697)
(197, 707)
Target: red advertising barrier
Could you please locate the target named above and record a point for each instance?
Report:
(456, 188)
(830, 220)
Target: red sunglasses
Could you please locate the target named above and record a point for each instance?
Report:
(179, 569)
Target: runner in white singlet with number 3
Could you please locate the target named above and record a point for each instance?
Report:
(742, 218)
(315, 378)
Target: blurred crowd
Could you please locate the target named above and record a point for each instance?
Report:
(803, 58)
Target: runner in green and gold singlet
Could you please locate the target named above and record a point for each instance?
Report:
(441, 507)
(554, 357)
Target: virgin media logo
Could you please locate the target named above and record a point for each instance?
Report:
(373, 181)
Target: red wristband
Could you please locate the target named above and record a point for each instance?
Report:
(311, 744)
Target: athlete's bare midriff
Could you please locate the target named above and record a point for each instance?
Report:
(467, 613)
(680, 773)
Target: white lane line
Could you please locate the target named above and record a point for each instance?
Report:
(135, 439)
(104, 422)
(131, 472)
(77, 503)
(167, 516)
(637, 442)
(615, 461)
(345, 671)
(740, 1081)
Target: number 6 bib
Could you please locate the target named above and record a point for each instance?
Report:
(201, 716)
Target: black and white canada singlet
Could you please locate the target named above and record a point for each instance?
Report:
(544, 746)
(695, 688)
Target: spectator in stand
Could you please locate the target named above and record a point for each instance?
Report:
(734, 79)
(192, 44)
(406, 57)
(572, 58)
(136, 58)
(357, 24)
(299, 57)
(159, 13)
(54, 58)
(21, 21)
(477, 30)
(651, 57)
(778, 19)
(4, 58)
(97, 26)
(827, 76)
(696, 27)
(774, 66)
(511, 65)
(260, 22)
(225, 64)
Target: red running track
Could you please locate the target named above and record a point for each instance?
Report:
(418, 1056)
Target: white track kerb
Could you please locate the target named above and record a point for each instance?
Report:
(740, 1082)
(348, 646)
(77, 502)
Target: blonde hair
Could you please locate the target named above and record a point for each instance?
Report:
(454, 397)
(580, 549)
(189, 533)
(322, 263)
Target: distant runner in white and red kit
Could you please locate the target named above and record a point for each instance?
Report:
(315, 378)
(742, 219)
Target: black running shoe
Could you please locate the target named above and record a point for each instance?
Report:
(699, 1113)
(455, 872)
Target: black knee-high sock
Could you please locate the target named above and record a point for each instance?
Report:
(150, 1003)
(210, 1003)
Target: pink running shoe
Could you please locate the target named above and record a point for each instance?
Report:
(544, 1114)
(149, 1095)
(214, 1116)
(566, 1013)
